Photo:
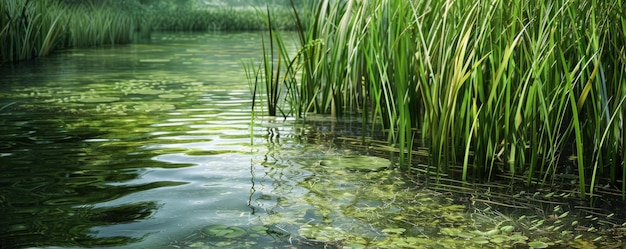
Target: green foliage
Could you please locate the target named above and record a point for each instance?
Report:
(30, 29)
(526, 88)
(274, 78)
(217, 19)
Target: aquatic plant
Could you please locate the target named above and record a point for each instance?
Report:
(30, 29)
(527, 88)
(275, 78)
(218, 19)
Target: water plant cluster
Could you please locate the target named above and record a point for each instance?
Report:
(217, 19)
(30, 29)
(532, 89)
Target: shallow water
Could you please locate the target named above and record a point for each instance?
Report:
(149, 145)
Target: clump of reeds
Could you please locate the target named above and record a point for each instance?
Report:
(219, 19)
(526, 88)
(30, 29)
(274, 79)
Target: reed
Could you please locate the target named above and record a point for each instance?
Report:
(531, 88)
(219, 19)
(30, 29)
(275, 78)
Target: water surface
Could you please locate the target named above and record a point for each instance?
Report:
(145, 145)
(151, 145)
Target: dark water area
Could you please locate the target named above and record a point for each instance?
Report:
(152, 145)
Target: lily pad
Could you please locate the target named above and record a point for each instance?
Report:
(321, 233)
(148, 91)
(99, 99)
(213, 229)
(154, 107)
(224, 231)
(538, 244)
(367, 163)
(507, 229)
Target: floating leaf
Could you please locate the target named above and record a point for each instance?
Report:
(258, 228)
(507, 229)
(235, 232)
(171, 96)
(480, 241)
(321, 233)
(518, 237)
(99, 99)
(212, 229)
(354, 246)
(357, 162)
(148, 91)
(154, 107)
(537, 244)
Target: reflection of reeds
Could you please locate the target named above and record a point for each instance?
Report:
(34, 28)
(498, 87)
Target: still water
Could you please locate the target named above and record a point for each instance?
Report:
(151, 145)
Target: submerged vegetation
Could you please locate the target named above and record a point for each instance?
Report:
(529, 89)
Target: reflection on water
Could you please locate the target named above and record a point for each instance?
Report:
(136, 143)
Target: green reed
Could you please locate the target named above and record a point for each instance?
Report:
(274, 79)
(31, 29)
(219, 19)
(524, 88)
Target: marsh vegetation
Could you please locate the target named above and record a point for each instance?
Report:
(525, 90)
(402, 124)
(30, 29)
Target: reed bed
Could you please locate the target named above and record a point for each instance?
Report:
(30, 29)
(520, 88)
(219, 19)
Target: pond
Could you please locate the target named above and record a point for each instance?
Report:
(152, 145)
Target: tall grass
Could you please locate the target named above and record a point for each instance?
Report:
(274, 79)
(523, 88)
(31, 29)
(218, 19)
